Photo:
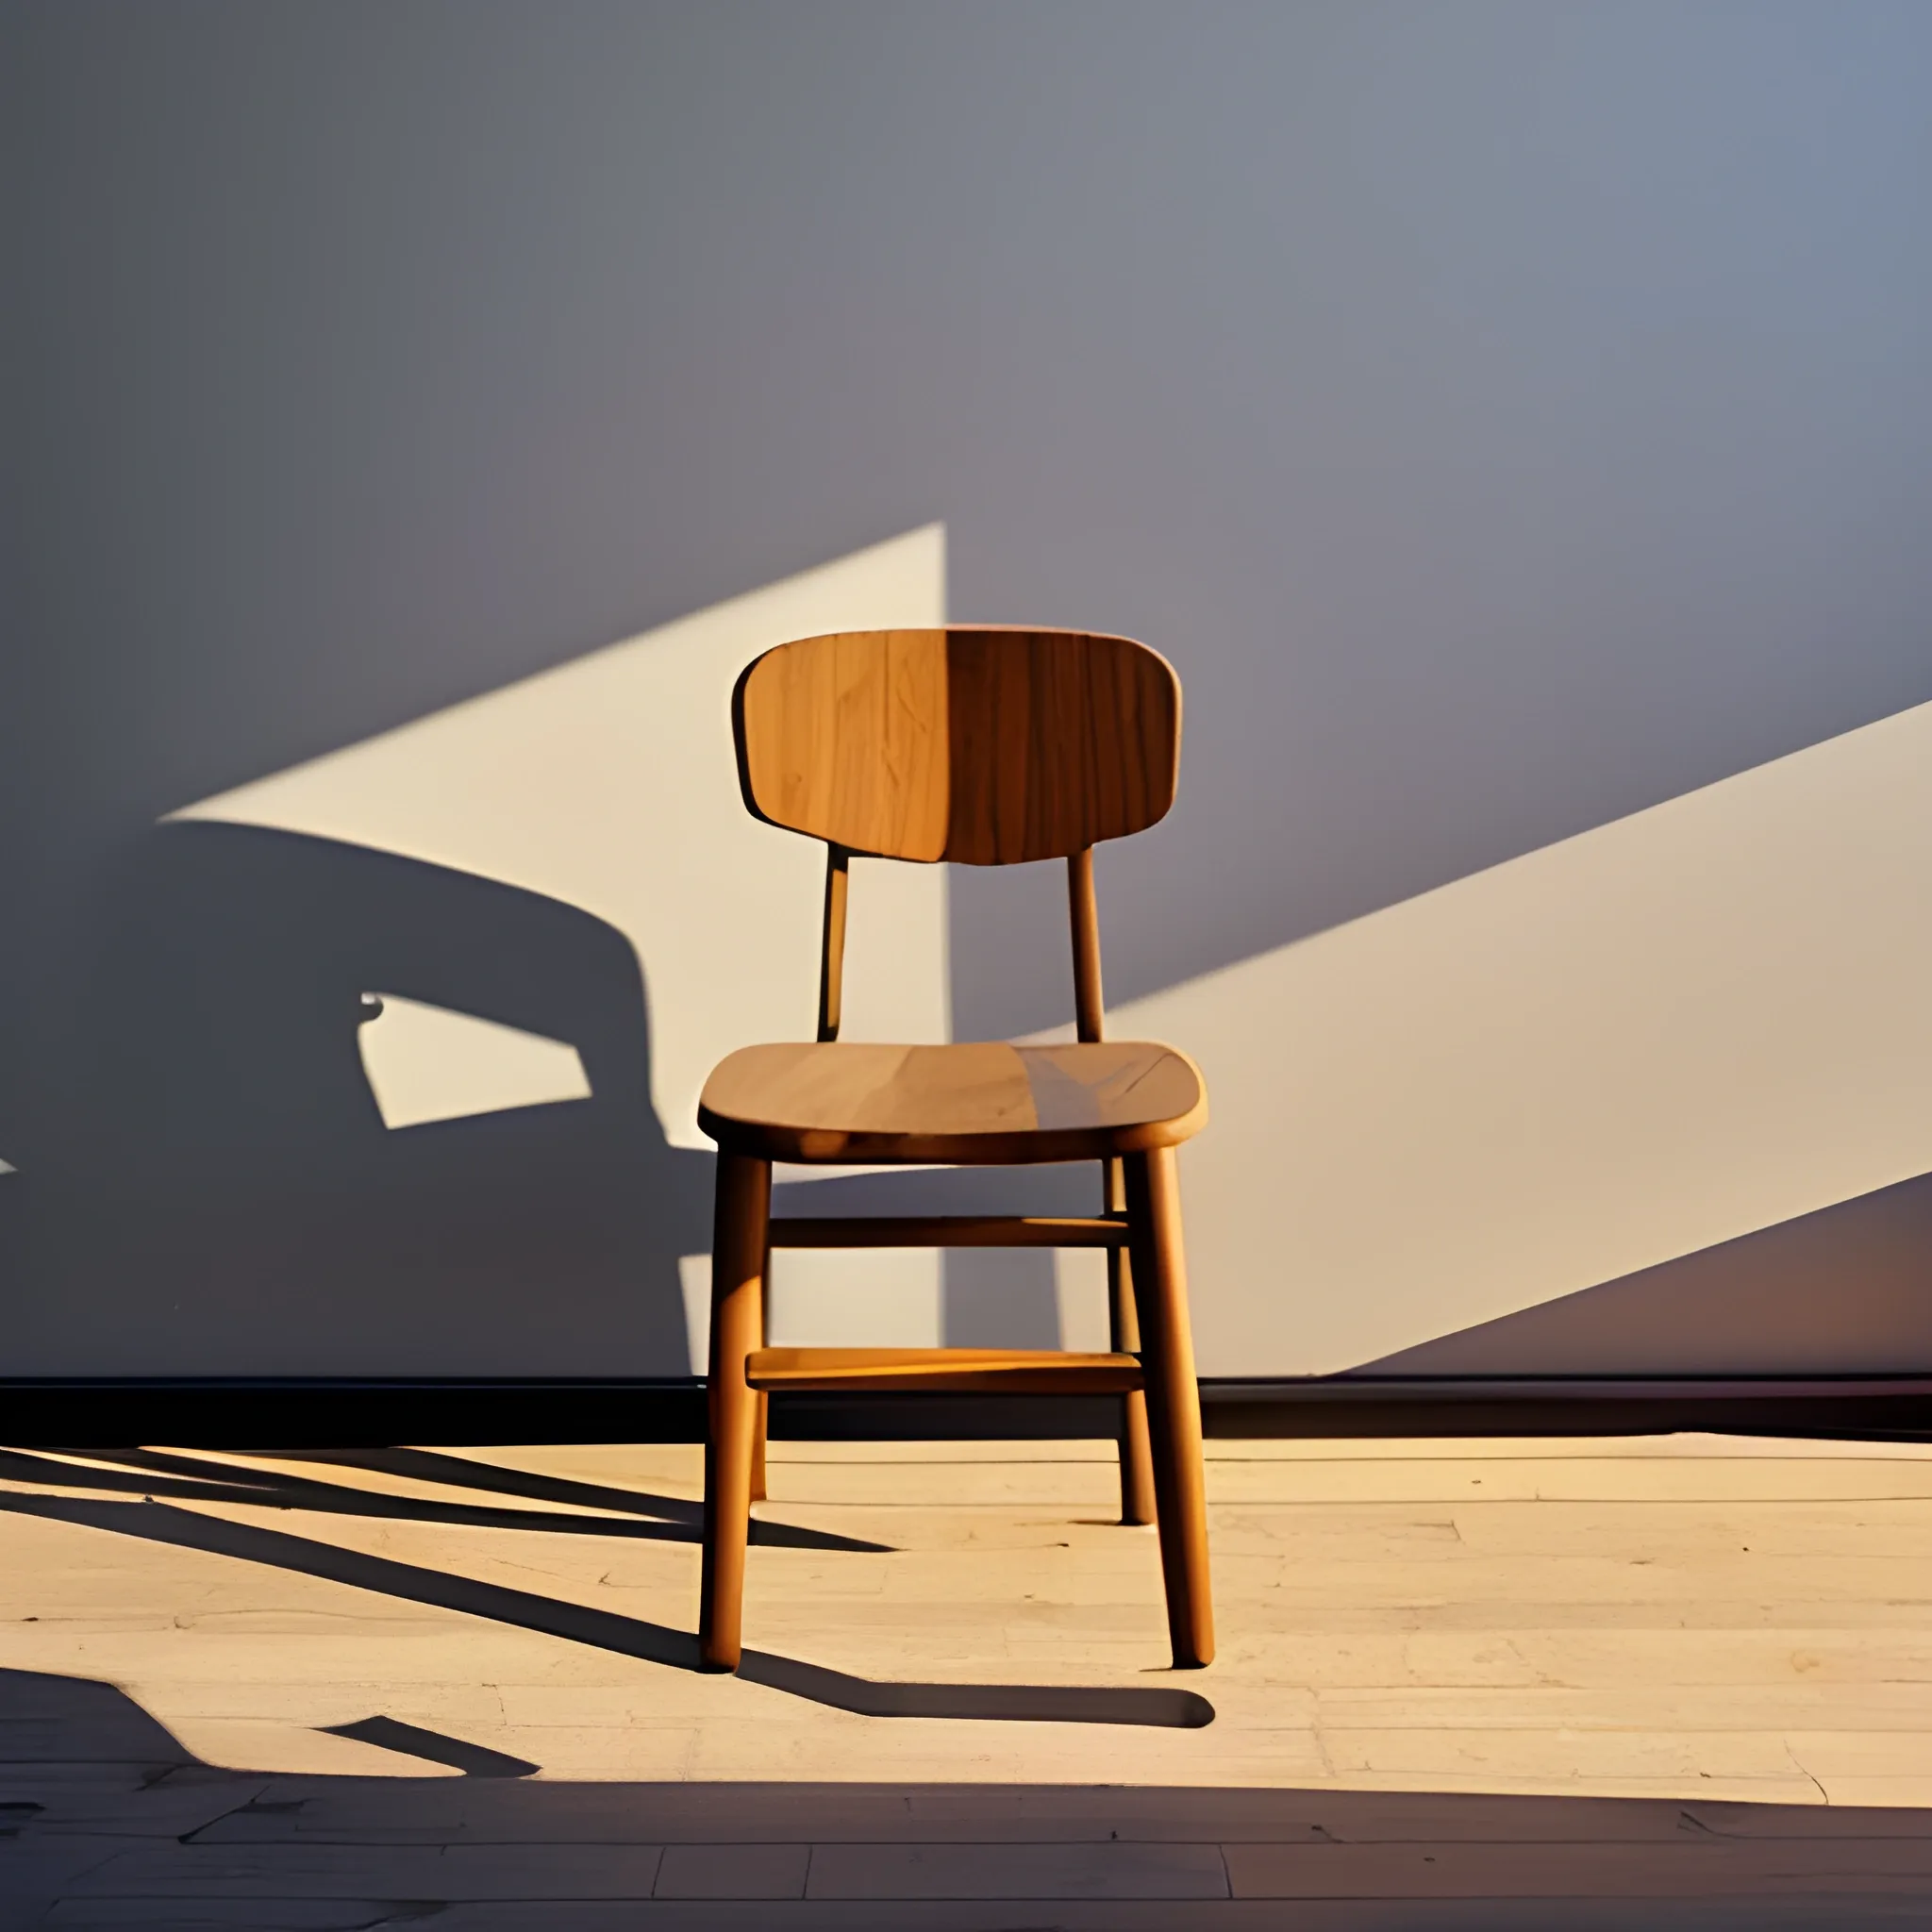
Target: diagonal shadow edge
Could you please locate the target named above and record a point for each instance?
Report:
(433, 1747)
(193, 1480)
(1838, 1289)
(624, 1636)
(466, 1473)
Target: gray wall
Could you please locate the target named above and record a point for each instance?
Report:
(1506, 416)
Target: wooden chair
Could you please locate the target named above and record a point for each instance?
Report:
(984, 746)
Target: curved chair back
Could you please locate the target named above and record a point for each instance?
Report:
(985, 746)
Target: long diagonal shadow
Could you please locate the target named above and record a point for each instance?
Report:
(606, 1630)
(221, 1482)
(462, 1473)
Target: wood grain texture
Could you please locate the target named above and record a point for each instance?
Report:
(1000, 1371)
(844, 738)
(1059, 739)
(975, 1104)
(984, 746)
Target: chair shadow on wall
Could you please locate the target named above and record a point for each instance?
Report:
(216, 1179)
(210, 1176)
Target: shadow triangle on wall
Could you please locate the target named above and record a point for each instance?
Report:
(1631, 1047)
(1845, 1290)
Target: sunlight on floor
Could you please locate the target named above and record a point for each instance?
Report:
(1684, 1617)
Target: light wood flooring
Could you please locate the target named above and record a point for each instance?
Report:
(1674, 1681)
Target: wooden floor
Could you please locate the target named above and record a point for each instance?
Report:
(1671, 1682)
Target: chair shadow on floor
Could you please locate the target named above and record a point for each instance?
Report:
(107, 1819)
(155, 1474)
(194, 1480)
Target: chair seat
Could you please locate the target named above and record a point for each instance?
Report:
(986, 1103)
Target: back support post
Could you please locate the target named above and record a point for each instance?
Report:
(832, 950)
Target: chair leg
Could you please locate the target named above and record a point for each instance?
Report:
(737, 1261)
(760, 1424)
(762, 1428)
(1173, 1402)
(1123, 1320)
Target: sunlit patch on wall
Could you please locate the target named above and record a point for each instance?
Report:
(608, 783)
(694, 1284)
(429, 1063)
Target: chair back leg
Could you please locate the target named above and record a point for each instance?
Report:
(762, 1426)
(1136, 1455)
(1173, 1401)
(1123, 1330)
(761, 1431)
(739, 1250)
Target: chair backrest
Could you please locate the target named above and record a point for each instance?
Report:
(985, 746)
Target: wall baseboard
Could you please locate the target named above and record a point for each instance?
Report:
(341, 1413)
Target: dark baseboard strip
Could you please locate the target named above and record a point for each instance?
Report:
(1849, 1407)
(335, 1413)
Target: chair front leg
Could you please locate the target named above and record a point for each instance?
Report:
(739, 1249)
(1173, 1401)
